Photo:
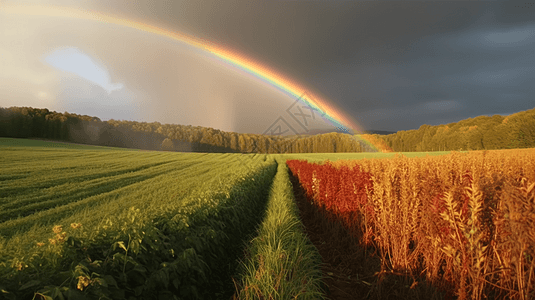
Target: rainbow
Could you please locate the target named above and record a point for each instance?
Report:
(231, 57)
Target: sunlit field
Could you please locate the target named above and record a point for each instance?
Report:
(88, 221)
(443, 226)
(338, 156)
(116, 223)
(6, 143)
(278, 150)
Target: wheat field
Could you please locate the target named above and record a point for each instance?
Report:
(464, 221)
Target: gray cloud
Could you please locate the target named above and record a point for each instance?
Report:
(391, 65)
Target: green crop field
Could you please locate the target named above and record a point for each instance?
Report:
(14, 143)
(84, 222)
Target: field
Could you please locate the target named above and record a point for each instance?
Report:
(344, 156)
(459, 225)
(122, 224)
(86, 222)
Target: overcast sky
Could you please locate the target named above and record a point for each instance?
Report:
(389, 65)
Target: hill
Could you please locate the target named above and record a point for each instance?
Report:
(479, 133)
(379, 132)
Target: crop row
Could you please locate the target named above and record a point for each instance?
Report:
(177, 233)
(465, 221)
(28, 172)
(115, 193)
(280, 262)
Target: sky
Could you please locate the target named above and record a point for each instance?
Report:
(384, 65)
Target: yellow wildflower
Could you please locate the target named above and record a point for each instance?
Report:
(76, 225)
(61, 237)
(82, 282)
(52, 241)
(57, 229)
(40, 244)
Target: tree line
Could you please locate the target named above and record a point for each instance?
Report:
(28, 122)
(479, 133)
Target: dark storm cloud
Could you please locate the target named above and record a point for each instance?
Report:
(304, 37)
(384, 62)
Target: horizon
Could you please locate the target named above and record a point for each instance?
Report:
(310, 133)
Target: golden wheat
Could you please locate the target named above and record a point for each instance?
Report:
(465, 220)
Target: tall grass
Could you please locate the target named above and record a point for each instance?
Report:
(281, 263)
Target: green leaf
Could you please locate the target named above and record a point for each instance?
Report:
(101, 282)
(56, 294)
(123, 277)
(121, 244)
(110, 280)
(8, 295)
(194, 291)
(164, 278)
(62, 276)
(119, 256)
(116, 294)
(29, 284)
(176, 282)
(139, 268)
(138, 290)
(81, 269)
(73, 294)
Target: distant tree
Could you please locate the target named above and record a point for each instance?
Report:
(483, 132)
(167, 145)
(234, 145)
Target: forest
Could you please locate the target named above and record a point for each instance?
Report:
(480, 133)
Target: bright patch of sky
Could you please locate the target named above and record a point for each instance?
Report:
(74, 61)
(510, 37)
